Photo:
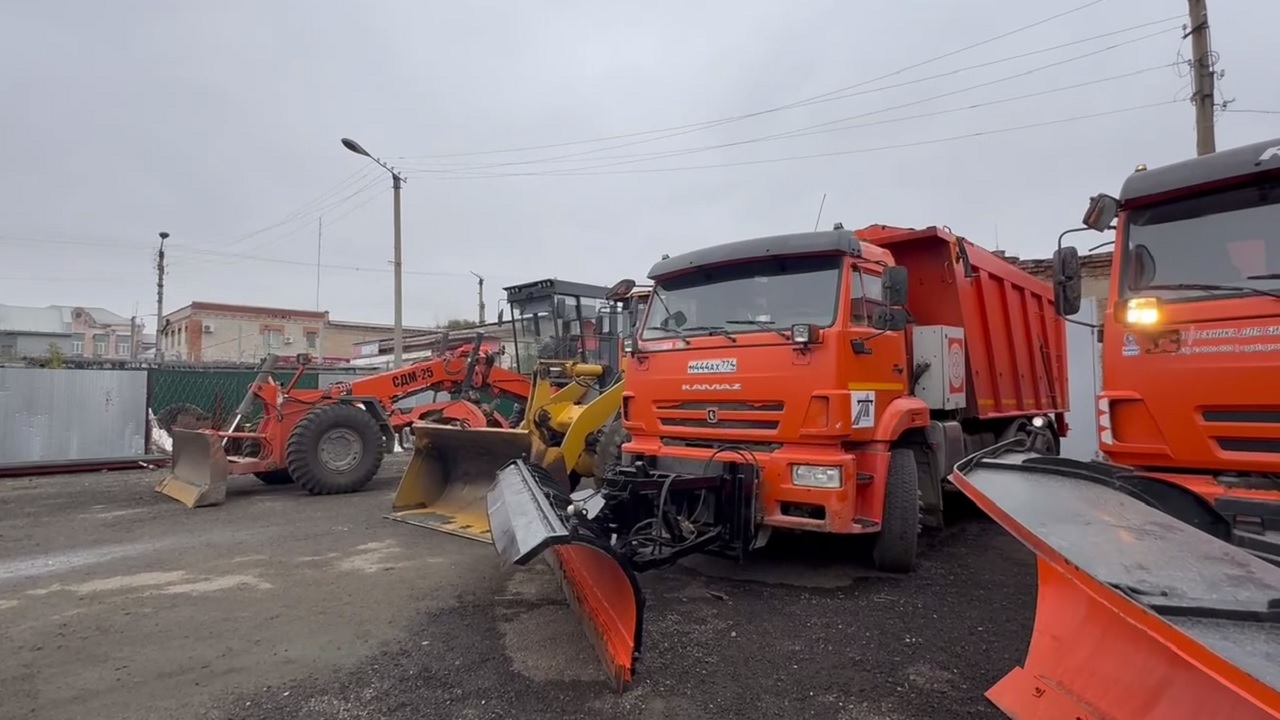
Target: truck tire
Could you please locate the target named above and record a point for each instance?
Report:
(275, 477)
(335, 449)
(895, 545)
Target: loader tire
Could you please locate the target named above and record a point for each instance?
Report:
(335, 449)
(609, 448)
(275, 477)
(895, 545)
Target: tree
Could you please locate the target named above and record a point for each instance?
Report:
(55, 356)
(459, 324)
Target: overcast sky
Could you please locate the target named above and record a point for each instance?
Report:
(220, 124)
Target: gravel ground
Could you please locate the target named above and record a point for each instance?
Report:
(781, 638)
(119, 603)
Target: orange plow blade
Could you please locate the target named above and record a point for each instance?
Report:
(1138, 615)
(528, 515)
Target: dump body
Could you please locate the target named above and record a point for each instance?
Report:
(1014, 342)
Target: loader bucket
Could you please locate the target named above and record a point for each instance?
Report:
(443, 487)
(198, 469)
(1138, 615)
(526, 517)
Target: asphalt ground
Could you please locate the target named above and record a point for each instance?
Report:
(116, 602)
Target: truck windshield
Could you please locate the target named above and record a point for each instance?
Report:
(1225, 243)
(746, 297)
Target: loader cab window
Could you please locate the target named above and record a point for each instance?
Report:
(1228, 238)
(866, 296)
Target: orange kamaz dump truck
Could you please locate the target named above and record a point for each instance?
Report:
(818, 382)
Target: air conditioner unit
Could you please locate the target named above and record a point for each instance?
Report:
(288, 339)
(207, 328)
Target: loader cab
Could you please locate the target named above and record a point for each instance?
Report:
(560, 320)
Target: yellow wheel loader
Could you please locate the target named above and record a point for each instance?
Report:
(569, 337)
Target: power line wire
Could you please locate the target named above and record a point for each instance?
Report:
(838, 153)
(707, 124)
(810, 129)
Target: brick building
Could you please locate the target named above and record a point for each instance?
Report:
(206, 332)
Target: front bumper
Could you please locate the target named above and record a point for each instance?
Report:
(855, 507)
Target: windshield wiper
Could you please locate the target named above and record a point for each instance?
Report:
(1214, 286)
(762, 324)
(1264, 276)
(710, 330)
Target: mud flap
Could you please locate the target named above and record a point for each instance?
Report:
(198, 470)
(600, 585)
(443, 487)
(1138, 615)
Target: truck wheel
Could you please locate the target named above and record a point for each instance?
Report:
(335, 449)
(895, 545)
(275, 477)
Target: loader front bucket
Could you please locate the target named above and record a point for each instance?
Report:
(1138, 615)
(443, 487)
(526, 511)
(198, 469)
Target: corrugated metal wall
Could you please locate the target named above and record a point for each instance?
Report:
(71, 414)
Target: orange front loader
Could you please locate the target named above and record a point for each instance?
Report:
(1159, 596)
(789, 383)
(330, 441)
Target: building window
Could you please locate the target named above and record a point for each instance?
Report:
(272, 339)
(122, 349)
(100, 347)
(313, 339)
(77, 347)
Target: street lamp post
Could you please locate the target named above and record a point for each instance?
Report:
(396, 182)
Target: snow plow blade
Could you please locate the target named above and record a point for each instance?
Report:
(198, 469)
(527, 513)
(443, 488)
(1138, 615)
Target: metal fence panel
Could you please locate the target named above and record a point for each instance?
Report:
(1084, 368)
(200, 398)
(65, 414)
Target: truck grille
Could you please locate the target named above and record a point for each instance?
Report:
(759, 415)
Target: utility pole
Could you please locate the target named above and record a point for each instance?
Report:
(396, 182)
(1202, 76)
(160, 294)
(480, 291)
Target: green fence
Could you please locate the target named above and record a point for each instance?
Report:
(195, 398)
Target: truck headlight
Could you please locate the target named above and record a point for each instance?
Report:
(816, 476)
(1142, 311)
(802, 333)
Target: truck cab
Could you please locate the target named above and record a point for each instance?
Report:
(1191, 339)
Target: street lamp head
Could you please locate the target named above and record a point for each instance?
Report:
(355, 147)
(164, 235)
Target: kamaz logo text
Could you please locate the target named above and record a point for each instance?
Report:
(710, 386)
(1270, 153)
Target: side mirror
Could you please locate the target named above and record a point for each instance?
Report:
(677, 319)
(1102, 212)
(1066, 281)
(890, 318)
(620, 290)
(501, 314)
(562, 309)
(893, 287)
(303, 359)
